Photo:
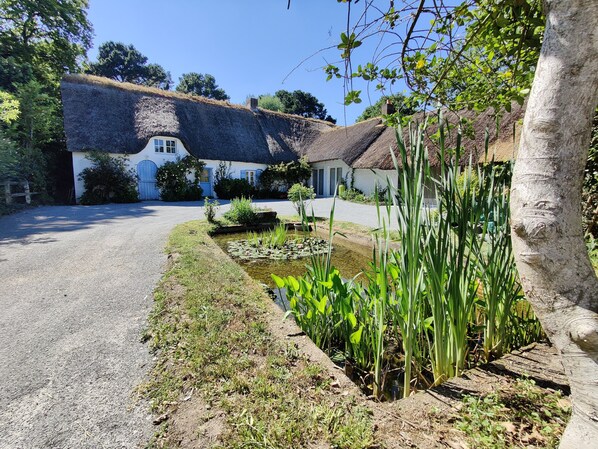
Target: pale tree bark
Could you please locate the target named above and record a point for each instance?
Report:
(548, 243)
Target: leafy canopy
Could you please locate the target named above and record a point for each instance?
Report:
(402, 105)
(42, 39)
(468, 54)
(270, 102)
(297, 102)
(126, 64)
(202, 85)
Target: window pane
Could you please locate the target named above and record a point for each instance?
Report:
(171, 146)
(159, 145)
(332, 181)
(204, 176)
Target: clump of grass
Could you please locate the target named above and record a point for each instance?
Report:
(523, 417)
(274, 238)
(209, 332)
(241, 211)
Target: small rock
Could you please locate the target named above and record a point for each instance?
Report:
(160, 419)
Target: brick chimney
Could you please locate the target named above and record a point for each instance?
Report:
(252, 103)
(388, 108)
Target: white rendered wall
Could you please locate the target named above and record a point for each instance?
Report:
(366, 179)
(80, 161)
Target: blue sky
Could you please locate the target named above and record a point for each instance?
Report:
(249, 49)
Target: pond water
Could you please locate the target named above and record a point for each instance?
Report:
(348, 257)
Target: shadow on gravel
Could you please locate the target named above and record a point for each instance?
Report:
(28, 227)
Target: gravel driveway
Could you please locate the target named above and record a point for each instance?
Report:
(75, 292)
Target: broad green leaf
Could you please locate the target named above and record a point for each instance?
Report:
(278, 281)
(355, 337)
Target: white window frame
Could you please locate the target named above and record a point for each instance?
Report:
(165, 146)
(170, 146)
(250, 176)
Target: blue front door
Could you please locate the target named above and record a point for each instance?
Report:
(147, 180)
(205, 181)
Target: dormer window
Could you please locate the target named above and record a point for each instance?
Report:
(165, 146)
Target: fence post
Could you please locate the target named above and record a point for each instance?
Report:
(7, 194)
(27, 192)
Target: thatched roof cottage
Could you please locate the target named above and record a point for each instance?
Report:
(153, 126)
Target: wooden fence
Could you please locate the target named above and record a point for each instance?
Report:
(8, 191)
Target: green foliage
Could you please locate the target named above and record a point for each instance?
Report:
(515, 418)
(39, 122)
(173, 180)
(589, 201)
(31, 122)
(126, 64)
(279, 177)
(229, 188)
(9, 159)
(270, 102)
(304, 104)
(465, 55)
(9, 107)
(274, 238)
(451, 281)
(299, 195)
(225, 352)
(241, 211)
(108, 180)
(355, 195)
(202, 85)
(402, 105)
(468, 180)
(13, 72)
(210, 209)
(42, 39)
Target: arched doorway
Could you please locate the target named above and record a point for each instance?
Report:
(146, 170)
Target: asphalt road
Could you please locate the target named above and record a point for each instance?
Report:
(75, 291)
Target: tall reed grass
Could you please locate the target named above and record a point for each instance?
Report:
(446, 297)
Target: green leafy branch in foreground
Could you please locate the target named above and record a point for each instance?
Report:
(211, 337)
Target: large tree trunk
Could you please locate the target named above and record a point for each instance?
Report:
(548, 243)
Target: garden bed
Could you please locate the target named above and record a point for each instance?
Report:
(231, 373)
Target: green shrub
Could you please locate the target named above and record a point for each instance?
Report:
(227, 188)
(241, 211)
(299, 194)
(280, 177)
(173, 180)
(108, 180)
(354, 195)
(468, 180)
(210, 209)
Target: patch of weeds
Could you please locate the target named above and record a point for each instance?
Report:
(525, 416)
(210, 335)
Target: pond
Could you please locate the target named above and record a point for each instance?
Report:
(348, 257)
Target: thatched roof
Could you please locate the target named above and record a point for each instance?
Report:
(101, 114)
(474, 127)
(346, 144)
